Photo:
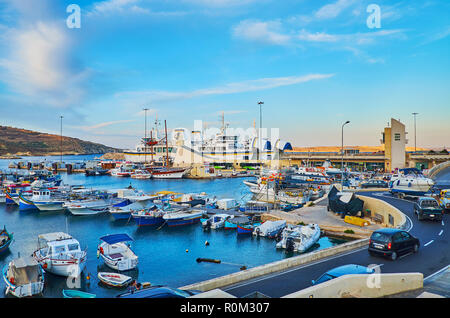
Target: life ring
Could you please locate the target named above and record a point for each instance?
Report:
(11, 280)
(101, 250)
(172, 197)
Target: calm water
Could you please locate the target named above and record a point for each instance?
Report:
(166, 256)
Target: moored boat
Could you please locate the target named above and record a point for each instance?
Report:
(217, 221)
(148, 217)
(299, 238)
(72, 293)
(24, 277)
(270, 228)
(60, 254)
(114, 279)
(116, 253)
(5, 239)
(185, 217)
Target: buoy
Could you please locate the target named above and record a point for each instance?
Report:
(206, 243)
(187, 250)
(209, 260)
(243, 268)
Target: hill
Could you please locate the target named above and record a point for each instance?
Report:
(22, 142)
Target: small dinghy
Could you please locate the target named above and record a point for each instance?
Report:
(116, 253)
(71, 293)
(270, 228)
(114, 279)
(24, 277)
(5, 240)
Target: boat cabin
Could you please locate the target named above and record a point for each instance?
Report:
(57, 244)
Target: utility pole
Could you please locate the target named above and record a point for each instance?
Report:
(60, 147)
(415, 139)
(145, 138)
(260, 128)
(342, 154)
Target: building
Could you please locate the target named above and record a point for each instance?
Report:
(394, 141)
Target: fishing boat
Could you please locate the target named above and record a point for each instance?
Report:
(24, 277)
(5, 239)
(231, 224)
(44, 200)
(72, 293)
(170, 173)
(299, 238)
(60, 254)
(116, 252)
(25, 204)
(255, 207)
(93, 207)
(183, 217)
(152, 216)
(141, 174)
(114, 279)
(217, 221)
(269, 228)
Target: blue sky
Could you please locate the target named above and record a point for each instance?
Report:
(315, 64)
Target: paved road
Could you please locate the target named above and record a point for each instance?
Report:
(433, 255)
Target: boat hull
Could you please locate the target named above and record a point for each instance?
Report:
(49, 206)
(148, 220)
(243, 229)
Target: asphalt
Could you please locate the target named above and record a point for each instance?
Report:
(433, 256)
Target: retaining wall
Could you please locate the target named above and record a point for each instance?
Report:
(275, 266)
(392, 217)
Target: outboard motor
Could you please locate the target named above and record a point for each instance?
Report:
(257, 231)
(289, 244)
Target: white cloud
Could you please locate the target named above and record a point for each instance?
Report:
(264, 32)
(317, 37)
(332, 10)
(221, 3)
(142, 97)
(39, 64)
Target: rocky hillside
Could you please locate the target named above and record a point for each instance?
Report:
(16, 141)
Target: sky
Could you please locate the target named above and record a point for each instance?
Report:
(315, 64)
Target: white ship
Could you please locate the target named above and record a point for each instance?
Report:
(224, 146)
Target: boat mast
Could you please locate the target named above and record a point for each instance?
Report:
(151, 139)
(145, 138)
(167, 148)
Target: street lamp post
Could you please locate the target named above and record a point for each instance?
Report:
(342, 154)
(260, 127)
(415, 139)
(61, 142)
(145, 138)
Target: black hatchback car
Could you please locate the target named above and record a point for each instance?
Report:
(428, 208)
(392, 243)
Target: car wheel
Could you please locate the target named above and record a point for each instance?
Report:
(393, 256)
(416, 248)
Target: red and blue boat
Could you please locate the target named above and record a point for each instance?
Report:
(148, 217)
(181, 218)
(5, 240)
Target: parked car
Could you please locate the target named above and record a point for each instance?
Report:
(343, 270)
(428, 208)
(159, 291)
(392, 243)
(374, 183)
(444, 199)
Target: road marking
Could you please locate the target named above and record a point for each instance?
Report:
(429, 243)
(440, 233)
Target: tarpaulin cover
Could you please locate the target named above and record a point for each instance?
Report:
(352, 208)
(116, 238)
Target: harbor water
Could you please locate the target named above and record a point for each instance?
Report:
(167, 256)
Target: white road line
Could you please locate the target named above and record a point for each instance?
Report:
(429, 243)
(440, 233)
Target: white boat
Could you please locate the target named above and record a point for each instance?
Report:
(217, 221)
(93, 207)
(170, 173)
(24, 277)
(141, 174)
(299, 238)
(114, 279)
(410, 184)
(116, 253)
(185, 217)
(267, 194)
(60, 254)
(269, 228)
(124, 212)
(44, 200)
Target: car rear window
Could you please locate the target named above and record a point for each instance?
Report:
(429, 204)
(380, 237)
